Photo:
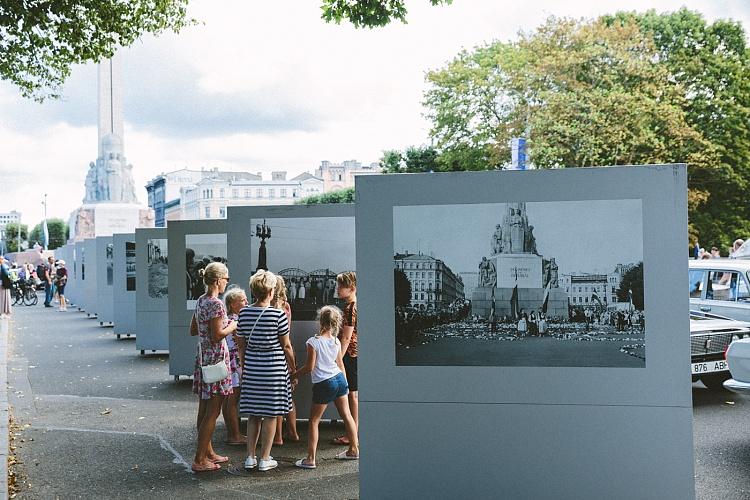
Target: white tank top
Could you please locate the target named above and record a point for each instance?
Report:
(326, 351)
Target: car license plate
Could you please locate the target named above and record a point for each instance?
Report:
(709, 367)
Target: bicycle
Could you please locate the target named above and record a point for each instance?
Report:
(24, 292)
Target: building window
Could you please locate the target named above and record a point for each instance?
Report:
(259, 193)
(223, 212)
(235, 193)
(271, 193)
(221, 193)
(247, 193)
(282, 193)
(295, 193)
(208, 212)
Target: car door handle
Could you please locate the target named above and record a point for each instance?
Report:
(705, 308)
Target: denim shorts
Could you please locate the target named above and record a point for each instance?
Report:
(330, 389)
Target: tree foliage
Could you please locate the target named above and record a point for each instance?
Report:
(11, 236)
(618, 90)
(340, 196)
(58, 233)
(40, 40)
(402, 288)
(413, 160)
(632, 282)
(368, 13)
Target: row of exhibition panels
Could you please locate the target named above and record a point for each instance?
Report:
(145, 284)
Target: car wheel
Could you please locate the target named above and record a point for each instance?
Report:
(715, 381)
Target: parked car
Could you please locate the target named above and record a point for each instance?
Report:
(710, 337)
(738, 357)
(721, 286)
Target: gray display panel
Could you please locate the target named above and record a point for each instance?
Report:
(105, 272)
(151, 299)
(78, 262)
(89, 276)
(124, 284)
(209, 241)
(525, 408)
(309, 245)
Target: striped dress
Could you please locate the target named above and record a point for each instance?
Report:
(266, 385)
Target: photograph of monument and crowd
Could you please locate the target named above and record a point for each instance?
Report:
(309, 275)
(158, 270)
(520, 284)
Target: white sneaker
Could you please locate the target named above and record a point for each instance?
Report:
(264, 465)
(250, 462)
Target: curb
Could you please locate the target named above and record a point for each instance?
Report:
(4, 415)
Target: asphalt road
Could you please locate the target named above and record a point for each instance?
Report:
(104, 422)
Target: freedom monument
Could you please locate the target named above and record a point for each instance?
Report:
(110, 204)
(515, 277)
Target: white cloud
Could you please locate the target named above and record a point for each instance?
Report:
(264, 86)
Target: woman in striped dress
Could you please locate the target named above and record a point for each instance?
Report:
(266, 381)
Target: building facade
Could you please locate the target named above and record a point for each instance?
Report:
(589, 290)
(338, 176)
(434, 286)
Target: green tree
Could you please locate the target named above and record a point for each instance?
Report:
(711, 62)
(340, 196)
(40, 40)
(632, 282)
(58, 233)
(368, 13)
(413, 160)
(402, 288)
(11, 236)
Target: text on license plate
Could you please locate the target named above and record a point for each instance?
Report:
(709, 367)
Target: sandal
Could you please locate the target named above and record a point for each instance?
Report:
(304, 465)
(344, 455)
(205, 468)
(341, 440)
(219, 459)
(235, 443)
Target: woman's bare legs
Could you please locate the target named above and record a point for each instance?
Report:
(211, 409)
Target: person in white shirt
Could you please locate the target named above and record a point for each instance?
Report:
(324, 361)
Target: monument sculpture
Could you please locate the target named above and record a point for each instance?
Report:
(109, 204)
(515, 276)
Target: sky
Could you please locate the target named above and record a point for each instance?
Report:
(612, 233)
(264, 86)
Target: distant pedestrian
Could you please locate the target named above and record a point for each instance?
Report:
(48, 271)
(532, 325)
(522, 326)
(715, 254)
(61, 280)
(324, 361)
(234, 299)
(5, 285)
(696, 250)
(542, 324)
(211, 325)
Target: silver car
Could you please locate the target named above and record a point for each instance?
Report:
(721, 286)
(738, 357)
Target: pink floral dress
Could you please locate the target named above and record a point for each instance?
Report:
(206, 309)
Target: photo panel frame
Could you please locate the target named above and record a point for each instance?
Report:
(152, 309)
(124, 284)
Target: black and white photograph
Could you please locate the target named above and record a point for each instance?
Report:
(308, 253)
(83, 263)
(200, 251)
(130, 266)
(158, 270)
(110, 263)
(539, 284)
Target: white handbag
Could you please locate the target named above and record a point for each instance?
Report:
(216, 372)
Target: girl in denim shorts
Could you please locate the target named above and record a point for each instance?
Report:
(324, 361)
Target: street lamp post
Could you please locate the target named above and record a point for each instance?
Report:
(44, 226)
(262, 231)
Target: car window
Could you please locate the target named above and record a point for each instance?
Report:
(696, 283)
(743, 292)
(722, 285)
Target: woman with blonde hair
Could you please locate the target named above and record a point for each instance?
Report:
(266, 376)
(211, 325)
(280, 301)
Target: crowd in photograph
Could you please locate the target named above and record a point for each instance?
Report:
(245, 367)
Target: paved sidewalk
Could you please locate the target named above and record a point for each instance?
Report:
(108, 423)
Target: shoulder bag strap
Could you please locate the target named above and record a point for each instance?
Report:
(256, 323)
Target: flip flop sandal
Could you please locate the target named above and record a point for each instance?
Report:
(304, 465)
(205, 468)
(344, 456)
(341, 440)
(219, 460)
(235, 443)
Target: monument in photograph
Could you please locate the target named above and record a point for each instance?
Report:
(110, 204)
